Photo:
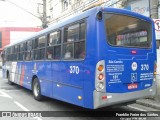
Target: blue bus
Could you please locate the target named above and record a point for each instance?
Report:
(101, 57)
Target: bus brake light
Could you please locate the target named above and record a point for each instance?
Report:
(101, 76)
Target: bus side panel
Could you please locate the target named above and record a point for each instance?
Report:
(68, 94)
(68, 82)
(13, 70)
(18, 72)
(43, 72)
(28, 74)
(90, 61)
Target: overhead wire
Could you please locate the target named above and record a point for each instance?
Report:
(32, 2)
(69, 13)
(23, 9)
(56, 4)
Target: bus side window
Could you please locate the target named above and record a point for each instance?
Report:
(32, 55)
(79, 47)
(39, 48)
(41, 41)
(74, 41)
(72, 33)
(49, 54)
(12, 53)
(54, 38)
(27, 55)
(16, 52)
(37, 55)
(7, 54)
(54, 45)
(68, 51)
(57, 52)
(28, 50)
(21, 53)
(29, 45)
(42, 53)
(82, 31)
(79, 50)
(35, 43)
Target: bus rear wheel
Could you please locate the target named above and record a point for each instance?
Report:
(9, 81)
(36, 89)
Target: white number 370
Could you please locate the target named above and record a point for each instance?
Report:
(74, 69)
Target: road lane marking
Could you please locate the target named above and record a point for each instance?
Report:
(136, 108)
(7, 91)
(21, 106)
(3, 94)
(25, 109)
(37, 118)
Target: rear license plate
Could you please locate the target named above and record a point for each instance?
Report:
(132, 86)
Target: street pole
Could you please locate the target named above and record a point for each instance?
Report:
(153, 8)
(44, 18)
(154, 15)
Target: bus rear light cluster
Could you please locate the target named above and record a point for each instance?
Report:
(100, 82)
(155, 68)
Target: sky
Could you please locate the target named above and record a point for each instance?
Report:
(13, 16)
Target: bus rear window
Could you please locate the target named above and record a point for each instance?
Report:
(127, 31)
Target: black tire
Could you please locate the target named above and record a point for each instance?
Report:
(36, 89)
(9, 82)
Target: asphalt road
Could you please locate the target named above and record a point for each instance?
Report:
(16, 98)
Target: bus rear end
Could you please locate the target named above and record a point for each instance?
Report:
(125, 71)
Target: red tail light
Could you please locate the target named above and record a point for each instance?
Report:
(104, 97)
(101, 76)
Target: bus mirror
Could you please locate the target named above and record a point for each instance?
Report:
(99, 15)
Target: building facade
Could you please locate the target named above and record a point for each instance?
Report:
(58, 10)
(13, 34)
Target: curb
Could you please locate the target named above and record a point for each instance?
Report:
(149, 103)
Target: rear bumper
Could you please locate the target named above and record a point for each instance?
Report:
(116, 98)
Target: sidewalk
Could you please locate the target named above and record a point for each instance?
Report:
(149, 103)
